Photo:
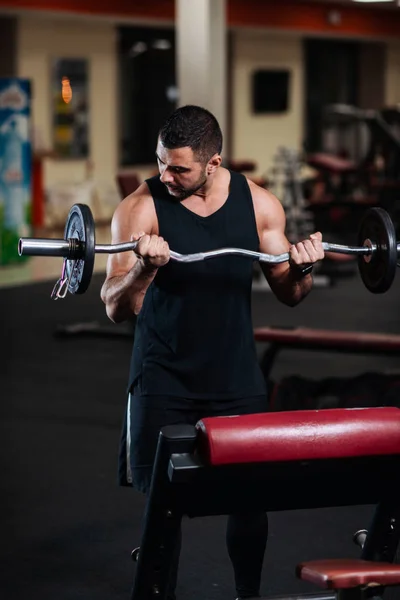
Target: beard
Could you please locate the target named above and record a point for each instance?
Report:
(181, 193)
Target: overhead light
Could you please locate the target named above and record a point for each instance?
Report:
(66, 91)
(162, 45)
(373, 1)
(137, 48)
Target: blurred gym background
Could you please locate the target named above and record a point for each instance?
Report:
(308, 96)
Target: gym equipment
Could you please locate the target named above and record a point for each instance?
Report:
(321, 340)
(368, 137)
(276, 462)
(285, 181)
(358, 164)
(378, 270)
(377, 254)
(80, 226)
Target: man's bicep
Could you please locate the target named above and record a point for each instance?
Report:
(274, 242)
(128, 220)
(271, 226)
(122, 262)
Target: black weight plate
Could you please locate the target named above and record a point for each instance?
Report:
(379, 269)
(80, 225)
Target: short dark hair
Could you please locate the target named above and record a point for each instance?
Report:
(195, 127)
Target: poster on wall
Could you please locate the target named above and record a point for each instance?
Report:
(70, 108)
(15, 166)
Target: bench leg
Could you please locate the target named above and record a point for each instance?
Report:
(383, 535)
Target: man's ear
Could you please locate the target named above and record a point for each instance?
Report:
(213, 164)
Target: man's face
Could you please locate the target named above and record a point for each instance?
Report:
(180, 172)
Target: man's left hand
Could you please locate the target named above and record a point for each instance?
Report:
(307, 252)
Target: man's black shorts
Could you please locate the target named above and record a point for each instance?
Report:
(146, 415)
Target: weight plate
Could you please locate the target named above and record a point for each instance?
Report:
(80, 226)
(379, 269)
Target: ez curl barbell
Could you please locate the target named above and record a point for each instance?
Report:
(377, 252)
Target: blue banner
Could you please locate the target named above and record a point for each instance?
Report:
(15, 165)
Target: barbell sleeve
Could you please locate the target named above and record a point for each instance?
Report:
(43, 247)
(71, 249)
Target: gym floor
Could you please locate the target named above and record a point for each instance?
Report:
(67, 530)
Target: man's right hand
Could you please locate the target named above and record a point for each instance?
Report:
(152, 249)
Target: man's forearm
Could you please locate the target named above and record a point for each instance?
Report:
(291, 286)
(123, 295)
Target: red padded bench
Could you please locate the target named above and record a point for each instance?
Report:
(306, 447)
(299, 436)
(275, 462)
(331, 163)
(305, 338)
(340, 574)
(310, 435)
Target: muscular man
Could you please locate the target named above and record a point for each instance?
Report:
(194, 354)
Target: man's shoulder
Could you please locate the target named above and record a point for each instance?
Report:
(261, 194)
(267, 206)
(139, 201)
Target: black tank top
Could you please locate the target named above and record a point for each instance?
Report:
(194, 334)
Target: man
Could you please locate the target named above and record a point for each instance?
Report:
(194, 353)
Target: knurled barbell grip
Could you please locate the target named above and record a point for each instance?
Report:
(67, 249)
